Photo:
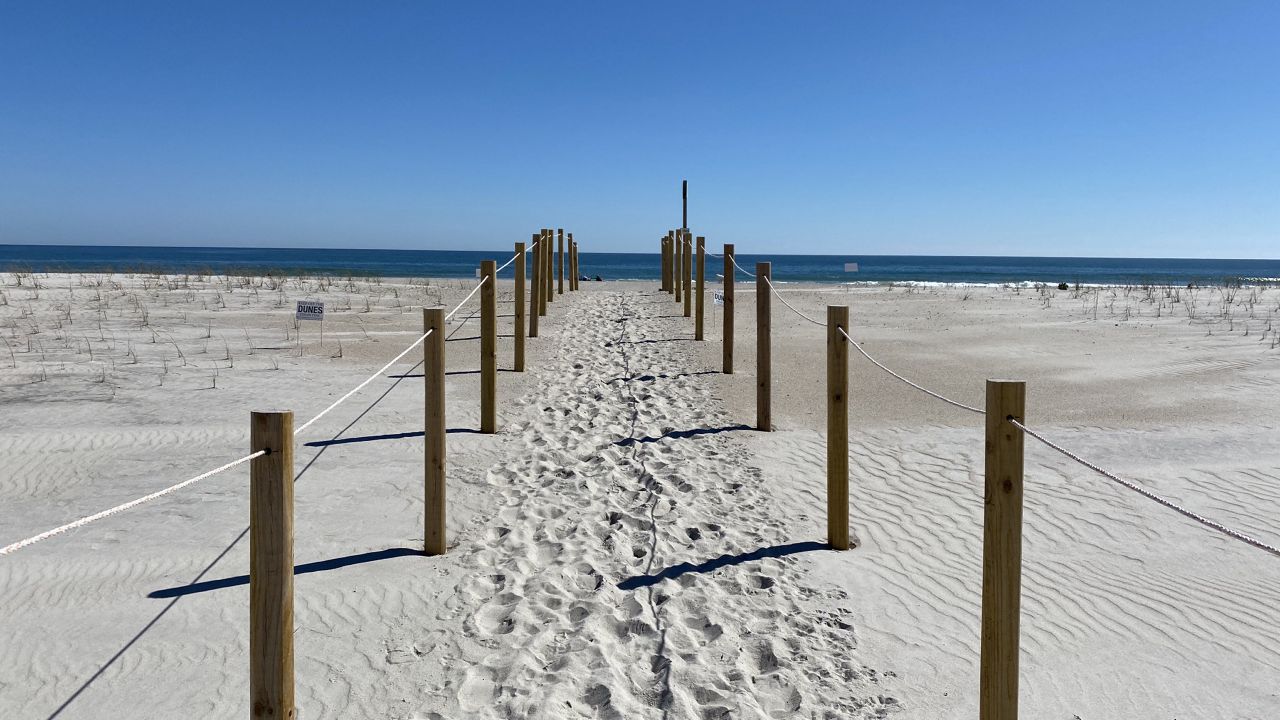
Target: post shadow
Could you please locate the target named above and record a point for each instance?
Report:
(311, 567)
(670, 573)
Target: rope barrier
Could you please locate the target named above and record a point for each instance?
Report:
(1147, 493)
(921, 388)
(789, 305)
(13, 547)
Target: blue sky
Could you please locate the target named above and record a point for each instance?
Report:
(1112, 129)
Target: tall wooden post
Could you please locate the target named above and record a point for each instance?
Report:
(686, 274)
(1002, 552)
(671, 262)
(271, 566)
(573, 263)
(535, 289)
(677, 256)
(560, 264)
(665, 259)
(764, 378)
(544, 268)
(433, 431)
(519, 359)
(550, 259)
(729, 281)
(489, 347)
(699, 300)
(837, 427)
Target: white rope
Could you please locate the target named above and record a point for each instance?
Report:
(172, 488)
(121, 508)
(513, 257)
(1147, 493)
(784, 302)
(734, 260)
(921, 388)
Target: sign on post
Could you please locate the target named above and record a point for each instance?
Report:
(851, 267)
(310, 310)
(717, 297)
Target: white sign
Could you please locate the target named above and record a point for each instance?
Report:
(310, 310)
(717, 297)
(851, 267)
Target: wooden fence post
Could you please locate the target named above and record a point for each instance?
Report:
(518, 325)
(433, 431)
(489, 347)
(687, 275)
(764, 385)
(671, 262)
(729, 281)
(573, 264)
(543, 268)
(536, 288)
(702, 269)
(837, 427)
(677, 258)
(550, 259)
(271, 566)
(662, 264)
(560, 265)
(1002, 552)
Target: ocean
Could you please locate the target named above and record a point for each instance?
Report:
(641, 266)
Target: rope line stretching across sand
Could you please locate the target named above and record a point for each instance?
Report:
(13, 547)
(1147, 493)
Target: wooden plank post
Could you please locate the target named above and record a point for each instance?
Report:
(560, 264)
(433, 431)
(549, 257)
(686, 274)
(671, 262)
(1002, 552)
(271, 566)
(729, 281)
(837, 427)
(666, 263)
(699, 300)
(677, 258)
(489, 347)
(764, 384)
(518, 325)
(573, 275)
(535, 289)
(543, 268)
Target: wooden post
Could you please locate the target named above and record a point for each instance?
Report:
(671, 262)
(433, 431)
(271, 566)
(560, 264)
(535, 290)
(764, 386)
(702, 268)
(573, 263)
(543, 267)
(666, 264)
(550, 259)
(1002, 552)
(729, 280)
(489, 347)
(518, 359)
(686, 274)
(677, 255)
(837, 427)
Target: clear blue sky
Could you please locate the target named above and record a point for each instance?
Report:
(1114, 129)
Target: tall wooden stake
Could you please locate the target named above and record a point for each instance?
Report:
(489, 347)
(729, 282)
(550, 259)
(702, 269)
(837, 427)
(686, 275)
(271, 566)
(1002, 552)
(764, 384)
(544, 269)
(536, 287)
(518, 325)
(677, 256)
(433, 431)
(560, 265)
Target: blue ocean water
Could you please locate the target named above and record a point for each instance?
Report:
(639, 266)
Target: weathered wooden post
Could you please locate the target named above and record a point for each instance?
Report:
(837, 427)
(702, 268)
(764, 385)
(518, 325)
(550, 258)
(560, 265)
(536, 288)
(729, 281)
(271, 566)
(573, 264)
(686, 274)
(544, 272)
(489, 347)
(433, 431)
(1002, 552)
(670, 276)
(677, 257)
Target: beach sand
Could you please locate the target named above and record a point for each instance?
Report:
(626, 546)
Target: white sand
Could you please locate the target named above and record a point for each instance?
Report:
(611, 555)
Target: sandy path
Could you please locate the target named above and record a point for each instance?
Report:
(635, 568)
